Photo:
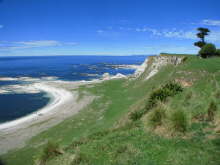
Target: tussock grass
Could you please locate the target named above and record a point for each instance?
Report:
(80, 159)
(50, 150)
(156, 117)
(179, 121)
(136, 115)
(159, 95)
(211, 111)
(217, 95)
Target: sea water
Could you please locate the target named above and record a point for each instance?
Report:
(67, 68)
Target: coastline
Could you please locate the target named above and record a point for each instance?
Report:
(58, 94)
(65, 103)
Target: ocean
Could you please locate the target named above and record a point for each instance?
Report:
(15, 104)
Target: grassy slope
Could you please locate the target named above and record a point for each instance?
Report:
(131, 143)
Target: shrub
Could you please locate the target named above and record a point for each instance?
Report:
(179, 121)
(200, 44)
(184, 59)
(161, 94)
(207, 51)
(156, 117)
(211, 111)
(50, 150)
(217, 52)
(158, 95)
(136, 115)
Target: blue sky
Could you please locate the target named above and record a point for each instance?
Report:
(105, 27)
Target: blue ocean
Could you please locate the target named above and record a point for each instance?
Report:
(67, 68)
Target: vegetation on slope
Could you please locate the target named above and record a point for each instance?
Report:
(182, 129)
(207, 50)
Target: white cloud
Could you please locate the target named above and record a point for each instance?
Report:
(211, 22)
(33, 44)
(173, 33)
(100, 31)
(142, 29)
(110, 29)
(214, 36)
(42, 43)
(1, 26)
(71, 43)
(179, 34)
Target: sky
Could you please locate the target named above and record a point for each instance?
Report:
(105, 27)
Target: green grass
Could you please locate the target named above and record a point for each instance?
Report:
(91, 137)
(51, 150)
(134, 146)
(172, 54)
(156, 117)
(179, 121)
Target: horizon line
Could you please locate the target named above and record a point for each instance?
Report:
(73, 55)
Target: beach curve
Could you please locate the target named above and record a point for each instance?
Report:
(59, 96)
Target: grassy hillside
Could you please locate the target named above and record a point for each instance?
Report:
(182, 129)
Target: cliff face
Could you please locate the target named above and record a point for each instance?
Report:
(154, 63)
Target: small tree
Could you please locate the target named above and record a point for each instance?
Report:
(207, 51)
(202, 33)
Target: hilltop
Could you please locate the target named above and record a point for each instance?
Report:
(167, 115)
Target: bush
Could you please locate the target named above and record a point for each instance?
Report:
(207, 51)
(50, 150)
(179, 121)
(211, 111)
(134, 116)
(156, 117)
(200, 44)
(161, 94)
(184, 59)
(217, 52)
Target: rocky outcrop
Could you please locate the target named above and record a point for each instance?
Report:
(107, 76)
(154, 63)
(141, 68)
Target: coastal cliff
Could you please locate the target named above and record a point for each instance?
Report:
(153, 64)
